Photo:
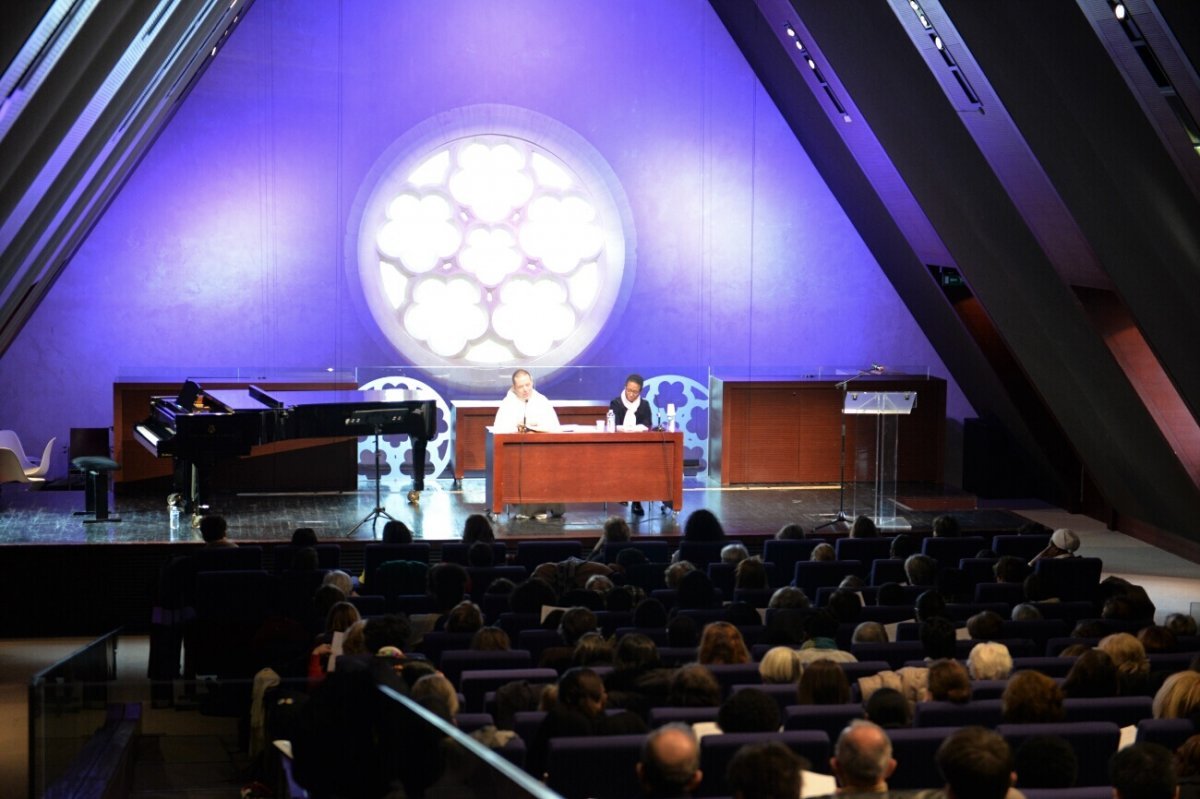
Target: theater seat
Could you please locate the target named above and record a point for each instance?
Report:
(717, 750)
(604, 767)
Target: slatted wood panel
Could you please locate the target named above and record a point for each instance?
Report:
(469, 421)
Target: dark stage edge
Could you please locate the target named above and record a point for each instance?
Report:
(87, 579)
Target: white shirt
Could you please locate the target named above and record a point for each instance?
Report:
(536, 414)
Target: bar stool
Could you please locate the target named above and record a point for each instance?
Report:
(96, 468)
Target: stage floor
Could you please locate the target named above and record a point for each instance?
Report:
(46, 516)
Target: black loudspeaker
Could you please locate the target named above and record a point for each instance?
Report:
(990, 468)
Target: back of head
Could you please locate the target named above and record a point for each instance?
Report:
(683, 631)
(434, 691)
(864, 527)
(693, 686)
(304, 537)
(985, 625)
(696, 591)
(946, 527)
(1127, 653)
(937, 637)
(478, 528)
(903, 545)
(949, 681)
(650, 613)
(1142, 771)
(734, 553)
(447, 584)
(635, 651)
(823, 551)
(1179, 696)
(397, 532)
(751, 574)
(975, 763)
(575, 623)
(1156, 638)
(616, 530)
(703, 525)
(212, 528)
(481, 555)
(821, 624)
(1031, 698)
(1045, 761)
(928, 605)
(789, 596)
(1092, 675)
(1010, 569)
(530, 595)
(674, 574)
(780, 665)
(845, 605)
(465, 617)
(1026, 611)
(864, 755)
(721, 642)
(869, 632)
(669, 764)
(765, 771)
(888, 708)
(391, 630)
(1181, 624)
(749, 710)
(920, 569)
(823, 683)
(790, 532)
(990, 661)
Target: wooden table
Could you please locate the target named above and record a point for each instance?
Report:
(583, 467)
(469, 420)
(789, 430)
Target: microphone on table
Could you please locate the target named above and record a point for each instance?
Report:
(524, 417)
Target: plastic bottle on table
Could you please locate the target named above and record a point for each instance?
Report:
(610, 422)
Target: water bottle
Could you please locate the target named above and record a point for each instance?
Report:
(610, 422)
(671, 417)
(174, 519)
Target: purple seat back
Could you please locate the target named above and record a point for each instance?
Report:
(867, 550)
(913, 750)
(717, 750)
(1094, 743)
(829, 719)
(951, 714)
(1019, 546)
(888, 570)
(1171, 733)
(474, 684)
(1121, 710)
(685, 715)
(809, 575)
(531, 554)
(454, 662)
(603, 767)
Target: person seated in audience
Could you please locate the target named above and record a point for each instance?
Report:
(975, 763)
(1143, 771)
(852, 582)
(683, 631)
(575, 623)
(937, 638)
(480, 555)
(1157, 639)
(1089, 628)
(864, 527)
(765, 771)
(570, 573)
(985, 626)
(599, 583)
(780, 666)
(1045, 761)
(1038, 589)
(888, 708)
(490, 639)
(1031, 698)
(703, 525)
(304, 559)
(790, 532)
(623, 598)
(1063, 544)
(946, 526)
(1010, 569)
(748, 710)
(592, 649)
(785, 627)
(845, 605)
(693, 686)
(989, 661)
(1179, 697)
(1092, 675)
(823, 683)
(529, 596)
(341, 580)
(920, 569)
(397, 532)
(734, 553)
(465, 617)
(650, 613)
(891, 595)
(1133, 667)
(435, 693)
(751, 575)
(578, 710)
(1026, 611)
(869, 632)
(616, 531)
(630, 557)
(1187, 767)
(823, 552)
(501, 586)
(722, 643)
(214, 529)
(675, 573)
(742, 615)
(903, 545)
(669, 765)
(790, 597)
(478, 528)
(1181, 624)
(304, 537)
(696, 591)
(821, 631)
(929, 604)
(862, 760)
(447, 583)
(638, 680)
(948, 682)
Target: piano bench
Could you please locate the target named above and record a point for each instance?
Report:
(96, 468)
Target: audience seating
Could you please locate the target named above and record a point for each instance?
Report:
(717, 750)
(456, 661)
(369, 605)
(785, 554)
(646, 576)
(435, 642)
(1007, 594)
(1094, 743)
(978, 570)
(914, 751)
(1121, 710)
(830, 719)
(685, 715)
(951, 714)
(809, 575)
(531, 554)
(702, 553)
(329, 556)
(1071, 578)
(456, 552)
(1024, 547)
(601, 767)
(537, 641)
(376, 554)
(1171, 733)
(866, 550)
(949, 551)
(231, 607)
(475, 684)
(483, 576)
(888, 570)
(1084, 792)
(657, 552)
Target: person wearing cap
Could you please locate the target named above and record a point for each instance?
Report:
(1063, 543)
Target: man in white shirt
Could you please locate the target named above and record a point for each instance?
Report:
(524, 409)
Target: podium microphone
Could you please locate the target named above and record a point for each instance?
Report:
(524, 417)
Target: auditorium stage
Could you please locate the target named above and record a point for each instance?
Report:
(45, 517)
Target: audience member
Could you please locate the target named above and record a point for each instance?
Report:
(304, 537)
(904, 545)
(734, 553)
(1133, 667)
(1156, 639)
(780, 666)
(986, 625)
(751, 575)
(1092, 675)
(789, 532)
(929, 604)
(722, 643)
(789, 596)
(1026, 611)
(397, 532)
(592, 649)
(693, 686)
(675, 573)
(862, 759)
(529, 596)
(765, 771)
(650, 614)
(975, 763)
(1010, 569)
(669, 765)
(490, 639)
(888, 708)
(703, 525)
(937, 638)
(696, 591)
(846, 606)
(821, 631)
(1045, 761)
(1063, 544)
(1181, 624)
(823, 683)
(478, 528)
(465, 617)
(869, 632)
(1187, 766)
(920, 569)
(1179, 696)
(578, 709)
(823, 552)
(683, 631)
(864, 527)
(447, 584)
(213, 530)
(949, 682)
(1031, 698)
(989, 661)
(481, 555)
(749, 710)
(946, 526)
(1143, 771)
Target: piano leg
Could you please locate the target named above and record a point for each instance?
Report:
(418, 462)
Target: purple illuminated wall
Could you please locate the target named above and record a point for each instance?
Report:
(226, 247)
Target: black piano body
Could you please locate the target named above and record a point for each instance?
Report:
(202, 428)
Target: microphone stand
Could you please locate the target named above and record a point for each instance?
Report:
(841, 516)
(378, 511)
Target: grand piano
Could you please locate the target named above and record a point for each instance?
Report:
(203, 428)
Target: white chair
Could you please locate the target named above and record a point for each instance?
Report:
(12, 470)
(39, 468)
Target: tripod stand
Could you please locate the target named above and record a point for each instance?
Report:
(378, 511)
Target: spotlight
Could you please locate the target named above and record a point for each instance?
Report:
(791, 32)
(811, 63)
(914, 5)
(1119, 10)
(799, 45)
(937, 42)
